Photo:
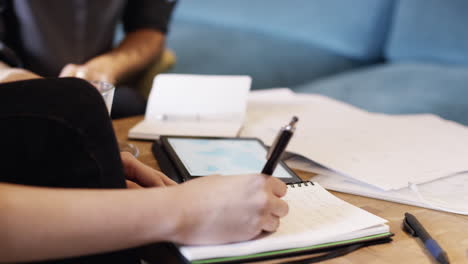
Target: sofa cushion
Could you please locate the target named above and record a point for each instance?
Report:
(429, 30)
(351, 28)
(271, 60)
(401, 88)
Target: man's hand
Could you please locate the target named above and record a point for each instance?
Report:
(16, 74)
(140, 175)
(137, 50)
(223, 209)
(98, 69)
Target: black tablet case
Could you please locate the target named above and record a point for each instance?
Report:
(165, 163)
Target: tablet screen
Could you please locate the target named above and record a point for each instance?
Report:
(207, 156)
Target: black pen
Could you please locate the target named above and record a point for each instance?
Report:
(278, 146)
(412, 226)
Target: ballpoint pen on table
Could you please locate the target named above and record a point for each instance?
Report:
(278, 146)
(412, 226)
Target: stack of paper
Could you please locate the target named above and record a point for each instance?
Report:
(445, 194)
(383, 154)
(386, 151)
(196, 105)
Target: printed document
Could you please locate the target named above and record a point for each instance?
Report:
(386, 151)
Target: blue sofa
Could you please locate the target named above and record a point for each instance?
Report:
(392, 56)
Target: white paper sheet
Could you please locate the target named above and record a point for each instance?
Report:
(386, 151)
(436, 195)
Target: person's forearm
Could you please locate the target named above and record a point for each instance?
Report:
(4, 66)
(10, 74)
(135, 52)
(55, 223)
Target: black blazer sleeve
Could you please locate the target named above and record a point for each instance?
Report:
(153, 14)
(7, 55)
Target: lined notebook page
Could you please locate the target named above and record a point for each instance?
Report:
(315, 217)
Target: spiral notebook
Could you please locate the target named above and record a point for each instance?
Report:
(316, 220)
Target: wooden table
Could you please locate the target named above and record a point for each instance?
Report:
(450, 230)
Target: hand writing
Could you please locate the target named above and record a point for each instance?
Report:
(223, 209)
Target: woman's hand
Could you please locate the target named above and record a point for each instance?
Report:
(223, 209)
(140, 175)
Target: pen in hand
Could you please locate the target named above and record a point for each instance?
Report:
(412, 226)
(278, 146)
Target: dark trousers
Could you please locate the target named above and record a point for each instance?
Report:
(57, 133)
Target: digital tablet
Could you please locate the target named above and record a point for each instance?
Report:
(203, 156)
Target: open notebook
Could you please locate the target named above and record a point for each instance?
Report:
(316, 219)
(195, 105)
